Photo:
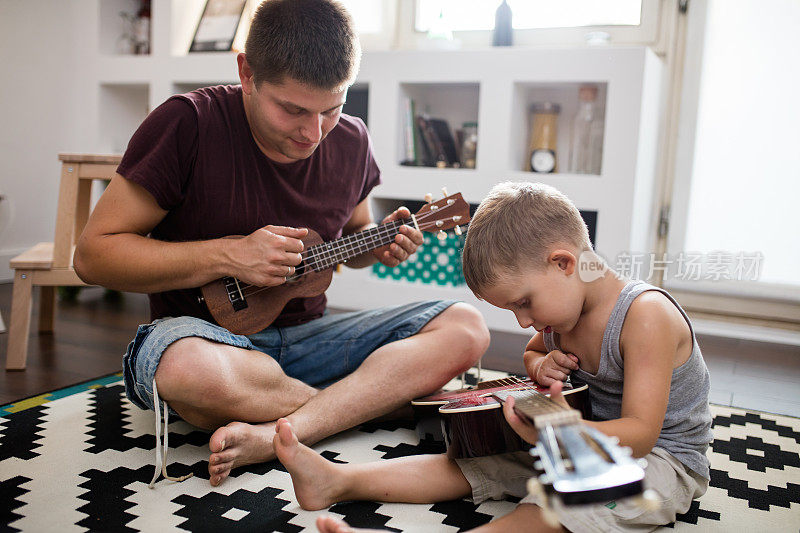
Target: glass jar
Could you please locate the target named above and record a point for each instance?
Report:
(544, 134)
(469, 144)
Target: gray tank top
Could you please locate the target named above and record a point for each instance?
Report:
(686, 432)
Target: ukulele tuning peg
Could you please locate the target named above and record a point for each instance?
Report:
(441, 235)
(428, 198)
(457, 230)
(444, 192)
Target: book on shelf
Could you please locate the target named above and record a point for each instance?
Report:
(437, 145)
(409, 133)
(446, 141)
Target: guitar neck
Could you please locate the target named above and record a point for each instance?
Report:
(341, 250)
(542, 410)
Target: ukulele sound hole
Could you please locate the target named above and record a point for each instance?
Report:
(299, 270)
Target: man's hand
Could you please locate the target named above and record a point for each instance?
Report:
(405, 243)
(553, 368)
(525, 429)
(267, 256)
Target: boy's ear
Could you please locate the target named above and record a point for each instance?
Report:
(564, 260)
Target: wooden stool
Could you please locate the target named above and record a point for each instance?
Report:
(49, 264)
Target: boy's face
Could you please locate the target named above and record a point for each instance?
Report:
(540, 298)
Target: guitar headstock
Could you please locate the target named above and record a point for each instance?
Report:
(582, 465)
(448, 213)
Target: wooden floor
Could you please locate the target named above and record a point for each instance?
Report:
(90, 337)
(92, 333)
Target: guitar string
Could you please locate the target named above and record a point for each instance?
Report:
(383, 232)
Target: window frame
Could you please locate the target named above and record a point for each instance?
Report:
(648, 32)
(720, 296)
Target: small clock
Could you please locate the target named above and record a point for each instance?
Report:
(543, 161)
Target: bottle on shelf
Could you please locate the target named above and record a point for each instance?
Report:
(542, 152)
(586, 143)
(503, 31)
(141, 29)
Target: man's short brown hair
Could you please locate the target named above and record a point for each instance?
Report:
(311, 41)
(515, 227)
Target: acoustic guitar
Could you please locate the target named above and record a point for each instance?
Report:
(471, 422)
(245, 309)
(580, 464)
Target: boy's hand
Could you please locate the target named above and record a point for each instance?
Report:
(523, 428)
(553, 368)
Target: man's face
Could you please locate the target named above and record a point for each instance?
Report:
(290, 119)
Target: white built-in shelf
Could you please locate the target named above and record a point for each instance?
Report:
(493, 87)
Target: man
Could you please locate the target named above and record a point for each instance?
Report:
(264, 160)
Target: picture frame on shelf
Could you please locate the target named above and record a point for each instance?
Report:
(217, 27)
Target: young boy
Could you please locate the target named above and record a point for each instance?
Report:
(629, 341)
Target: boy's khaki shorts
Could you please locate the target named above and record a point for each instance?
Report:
(496, 476)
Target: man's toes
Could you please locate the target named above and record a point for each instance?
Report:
(217, 479)
(225, 456)
(217, 442)
(220, 468)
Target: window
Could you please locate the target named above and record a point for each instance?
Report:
(738, 167)
(536, 22)
(367, 14)
(468, 15)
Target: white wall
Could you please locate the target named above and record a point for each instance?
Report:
(44, 109)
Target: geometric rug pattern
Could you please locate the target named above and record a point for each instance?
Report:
(82, 461)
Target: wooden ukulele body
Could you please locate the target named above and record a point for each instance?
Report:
(264, 304)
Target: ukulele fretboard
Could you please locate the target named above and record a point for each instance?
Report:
(541, 409)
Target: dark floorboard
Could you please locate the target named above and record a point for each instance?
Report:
(90, 336)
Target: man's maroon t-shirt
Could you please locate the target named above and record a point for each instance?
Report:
(196, 156)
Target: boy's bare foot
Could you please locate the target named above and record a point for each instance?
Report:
(318, 483)
(239, 444)
(329, 524)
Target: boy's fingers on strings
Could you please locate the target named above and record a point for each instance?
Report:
(556, 395)
(523, 429)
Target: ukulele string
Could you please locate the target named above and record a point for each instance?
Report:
(384, 231)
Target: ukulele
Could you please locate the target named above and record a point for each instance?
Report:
(581, 464)
(471, 420)
(245, 309)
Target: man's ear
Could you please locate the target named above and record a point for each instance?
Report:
(245, 74)
(564, 260)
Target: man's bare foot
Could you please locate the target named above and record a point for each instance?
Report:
(329, 524)
(318, 483)
(238, 444)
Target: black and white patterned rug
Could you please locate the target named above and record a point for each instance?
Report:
(80, 459)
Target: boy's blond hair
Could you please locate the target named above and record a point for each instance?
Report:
(517, 225)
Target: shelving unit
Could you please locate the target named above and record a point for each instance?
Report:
(492, 87)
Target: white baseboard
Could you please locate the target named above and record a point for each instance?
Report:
(745, 332)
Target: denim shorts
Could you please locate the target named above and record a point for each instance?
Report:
(318, 352)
